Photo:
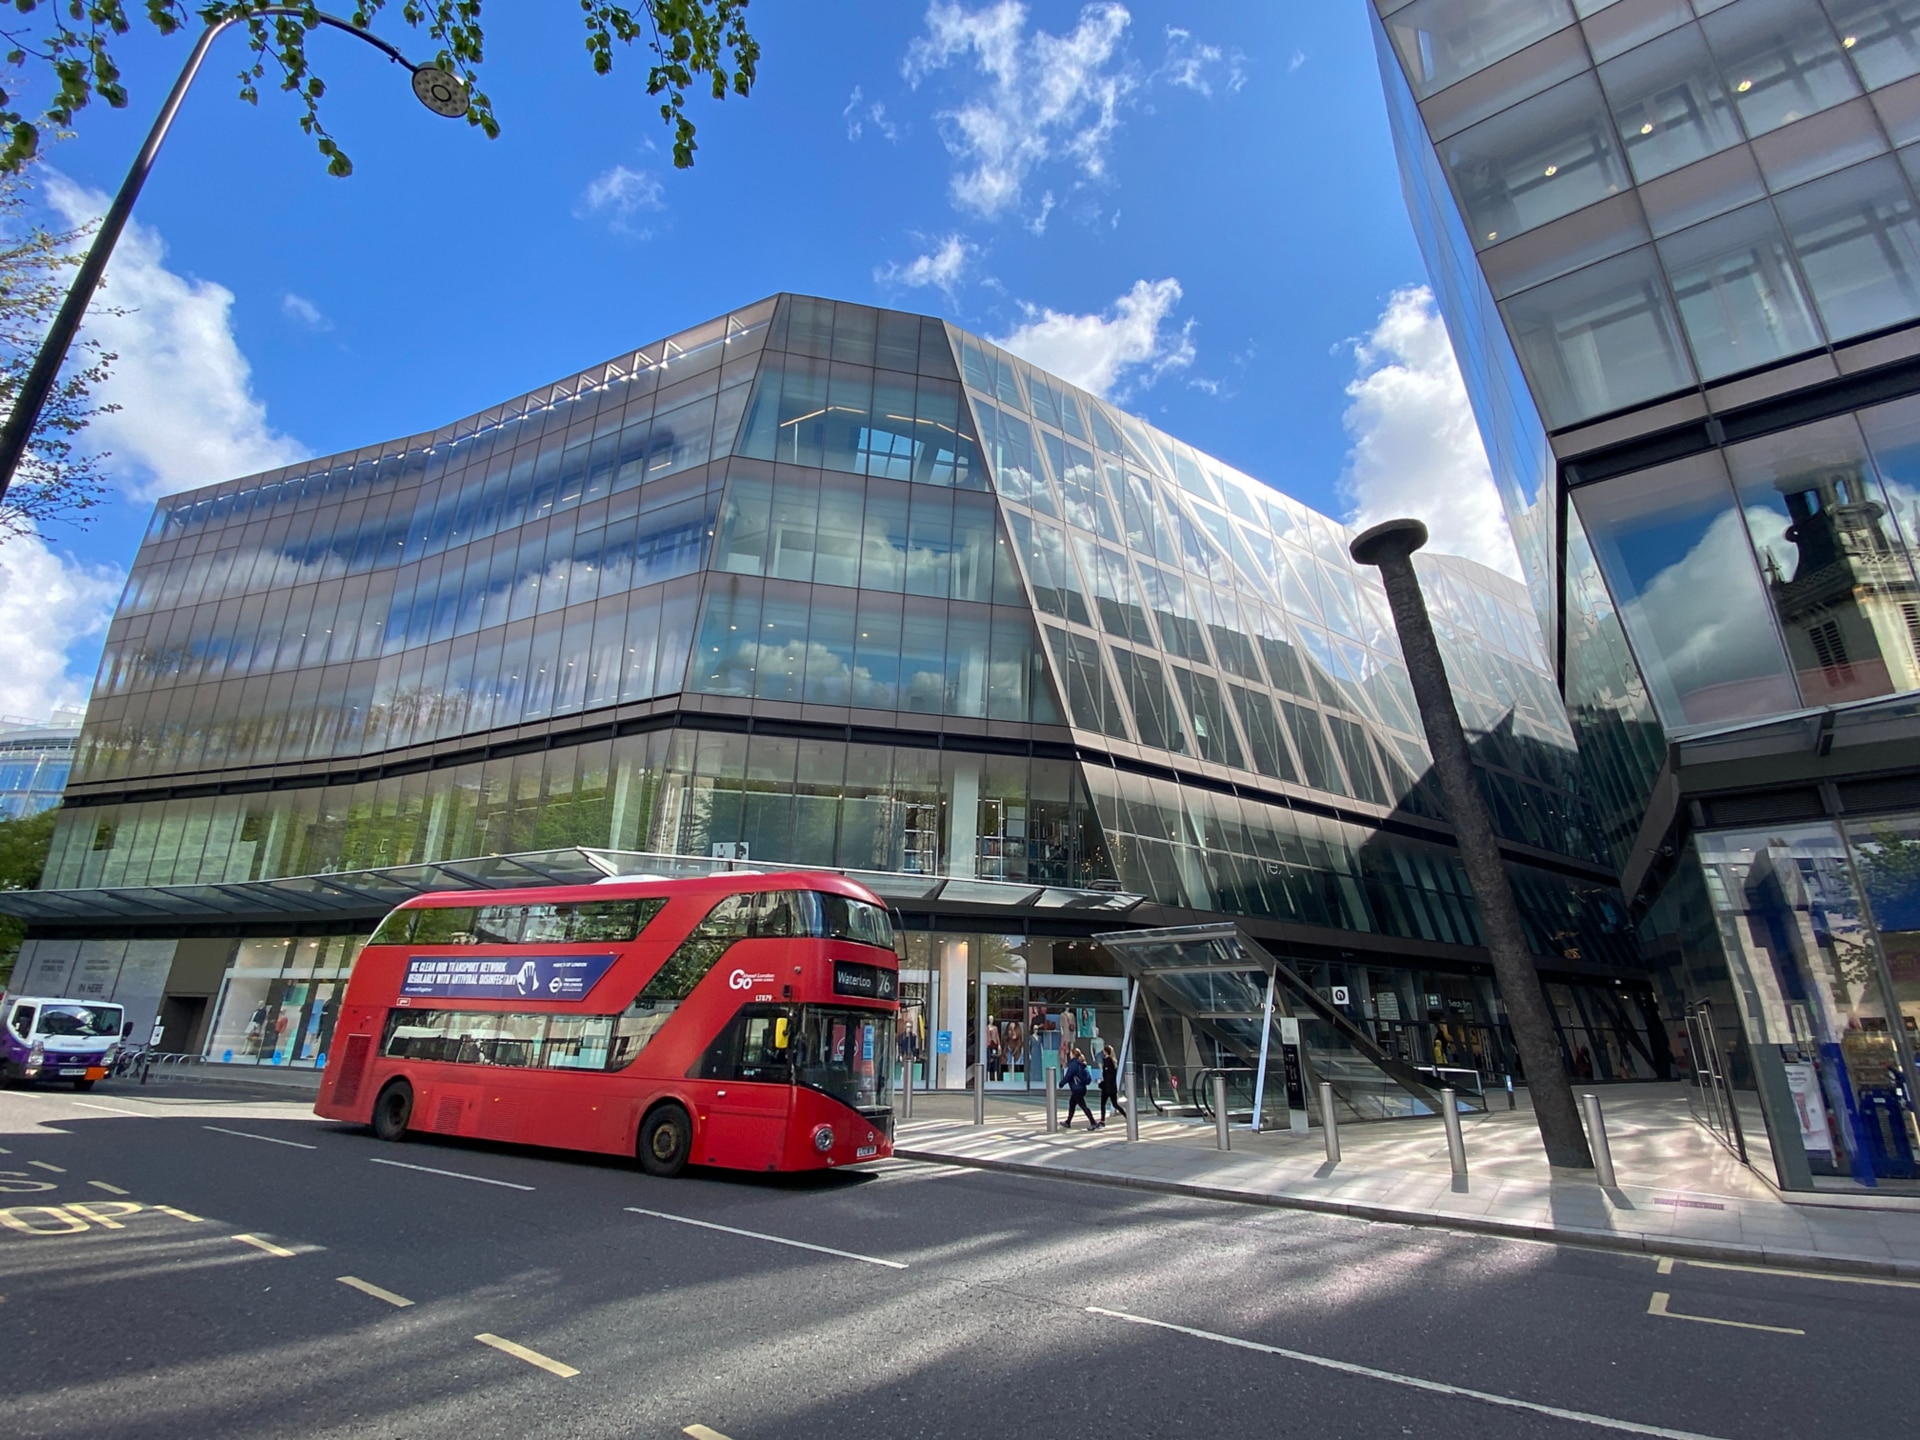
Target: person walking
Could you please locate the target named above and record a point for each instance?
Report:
(1078, 1078)
(1109, 1085)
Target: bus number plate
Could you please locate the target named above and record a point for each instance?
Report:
(867, 1152)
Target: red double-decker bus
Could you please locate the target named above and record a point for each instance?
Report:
(743, 1021)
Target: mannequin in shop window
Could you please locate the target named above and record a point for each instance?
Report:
(995, 1064)
(1016, 1056)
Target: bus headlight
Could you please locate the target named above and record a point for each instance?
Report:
(823, 1138)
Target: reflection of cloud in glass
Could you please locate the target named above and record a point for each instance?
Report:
(1702, 631)
(1769, 530)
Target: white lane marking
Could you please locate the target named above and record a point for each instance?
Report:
(1436, 1387)
(920, 1172)
(451, 1174)
(366, 1287)
(249, 1135)
(771, 1239)
(532, 1357)
(43, 1165)
(179, 1214)
(1658, 1306)
(110, 1189)
(113, 1109)
(703, 1432)
(266, 1245)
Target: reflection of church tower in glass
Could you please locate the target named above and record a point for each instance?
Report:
(1850, 609)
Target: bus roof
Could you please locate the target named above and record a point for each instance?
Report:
(725, 882)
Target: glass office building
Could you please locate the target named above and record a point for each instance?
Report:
(35, 759)
(813, 584)
(1677, 247)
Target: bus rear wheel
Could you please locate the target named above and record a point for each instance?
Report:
(392, 1109)
(666, 1139)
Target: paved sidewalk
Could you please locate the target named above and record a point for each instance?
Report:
(1705, 1206)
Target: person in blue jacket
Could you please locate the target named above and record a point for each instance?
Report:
(1078, 1078)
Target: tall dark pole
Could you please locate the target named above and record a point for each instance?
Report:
(447, 97)
(1390, 547)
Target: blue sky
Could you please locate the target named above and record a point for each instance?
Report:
(1194, 209)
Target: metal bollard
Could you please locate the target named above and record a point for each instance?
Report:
(1131, 1088)
(906, 1092)
(1329, 1122)
(1450, 1116)
(1053, 1100)
(1221, 1140)
(1510, 1102)
(980, 1094)
(1597, 1140)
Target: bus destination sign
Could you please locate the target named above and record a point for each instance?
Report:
(869, 982)
(504, 977)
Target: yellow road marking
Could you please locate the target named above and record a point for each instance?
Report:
(703, 1432)
(181, 1214)
(1665, 1267)
(14, 1218)
(266, 1245)
(107, 1214)
(110, 1189)
(532, 1357)
(367, 1288)
(1658, 1306)
(43, 1165)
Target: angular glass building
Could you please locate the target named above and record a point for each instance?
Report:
(812, 584)
(1677, 247)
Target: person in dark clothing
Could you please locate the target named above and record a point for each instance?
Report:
(1078, 1078)
(1109, 1084)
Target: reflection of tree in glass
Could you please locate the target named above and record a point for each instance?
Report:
(1890, 870)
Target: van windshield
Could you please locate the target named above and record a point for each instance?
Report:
(80, 1020)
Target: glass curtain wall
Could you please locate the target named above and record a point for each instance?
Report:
(1817, 921)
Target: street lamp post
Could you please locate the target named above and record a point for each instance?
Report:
(439, 91)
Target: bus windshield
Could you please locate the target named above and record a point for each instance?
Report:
(846, 1053)
(71, 1020)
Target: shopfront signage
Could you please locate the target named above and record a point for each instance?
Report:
(943, 1042)
(504, 977)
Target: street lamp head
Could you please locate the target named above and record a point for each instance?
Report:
(1389, 540)
(441, 92)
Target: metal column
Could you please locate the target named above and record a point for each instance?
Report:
(1266, 1037)
(980, 1058)
(1126, 1026)
(1456, 1144)
(1221, 1140)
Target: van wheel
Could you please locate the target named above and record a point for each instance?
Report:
(392, 1109)
(666, 1139)
(83, 1086)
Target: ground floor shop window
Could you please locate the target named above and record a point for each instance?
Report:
(1809, 918)
(278, 1001)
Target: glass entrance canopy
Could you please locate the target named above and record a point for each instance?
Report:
(1212, 999)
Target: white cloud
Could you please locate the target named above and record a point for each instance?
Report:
(302, 310)
(942, 267)
(618, 194)
(1416, 450)
(861, 113)
(1298, 58)
(1194, 65)
(1046, 97)
(1128, 347)
(188, 413)
(53, 613)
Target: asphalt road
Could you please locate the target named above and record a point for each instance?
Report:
(172, 1263)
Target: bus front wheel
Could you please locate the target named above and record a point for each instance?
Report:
(666, 1138)
(391, 1111)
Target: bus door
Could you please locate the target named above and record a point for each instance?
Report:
(750, 1067)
